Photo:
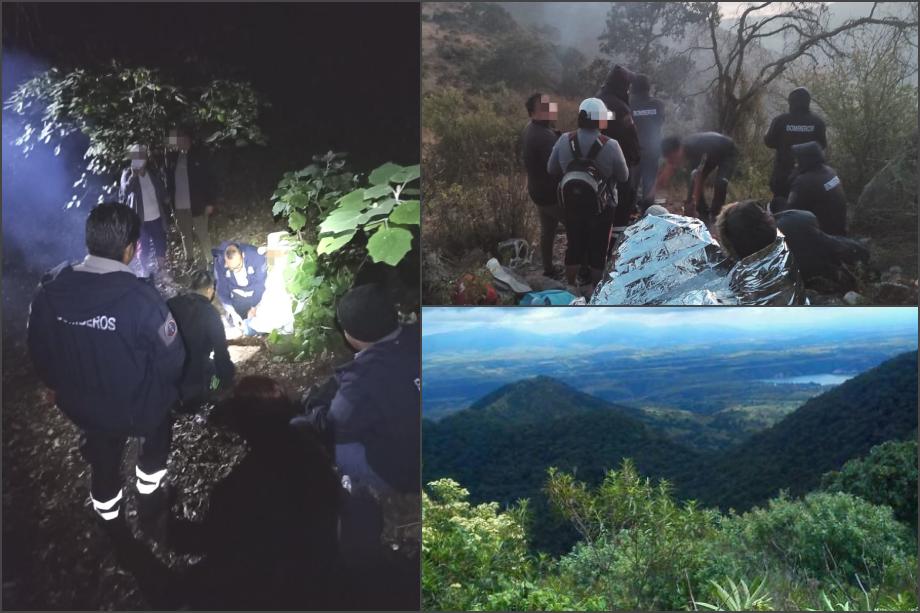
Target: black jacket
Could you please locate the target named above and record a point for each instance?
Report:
(817, 254)
(202, 332)
(615, 94)
(797, 126)
(377, 406)
(201, 186)
(817, 188)
(537, 143)
(109, 348)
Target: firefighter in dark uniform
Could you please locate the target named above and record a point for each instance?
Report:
(797, 126)
(106, 344)
(203, 336)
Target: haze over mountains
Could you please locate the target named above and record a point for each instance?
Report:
(668, 359)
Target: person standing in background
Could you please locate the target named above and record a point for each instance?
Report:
(538, 140)
(648, 114)
(622, 129)
(797, 126)
(143, 190)
(192, 190)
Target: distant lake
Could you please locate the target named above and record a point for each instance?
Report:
(822, 379)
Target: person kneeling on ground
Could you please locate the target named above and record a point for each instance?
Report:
(241, 271)
(825, 261)
(372, 408)
(203, 334)
(816, 188)
(587, 161)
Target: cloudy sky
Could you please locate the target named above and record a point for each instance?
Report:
(573, 320)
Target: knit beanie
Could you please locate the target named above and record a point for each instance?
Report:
(367, 313)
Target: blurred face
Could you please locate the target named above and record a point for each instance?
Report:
(675, 157)
(180, 142)
(234, 262)
(546, 109)
(601, 124)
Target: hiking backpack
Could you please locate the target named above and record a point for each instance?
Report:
(583, 189)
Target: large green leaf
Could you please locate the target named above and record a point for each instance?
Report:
(297, 200)
(297, 220)
(407, 213)
(378, 191)
(328, 244)
(352, 201)
(279, 207)
(380, 208)
(381, 175)
(389, 245)
(341, 221)
(406, 175)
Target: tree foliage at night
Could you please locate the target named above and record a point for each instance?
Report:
(116, 106)
(341, 219)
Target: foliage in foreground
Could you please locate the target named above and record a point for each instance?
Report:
(887, 476)
(642, 550)
(341, 219)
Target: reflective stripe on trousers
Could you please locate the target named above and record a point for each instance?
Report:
(147, 483)
(108, 509)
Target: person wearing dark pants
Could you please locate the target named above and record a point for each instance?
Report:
(537, 144)
(106, 344)
(622, 128)
(797, 126)
(579, 158)
(103, 452)
(648, 115)
(191, 189)
(203, 335)
(703, 154)
(375, 420)
(142, 188)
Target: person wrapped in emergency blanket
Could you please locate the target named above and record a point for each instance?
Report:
(667, 259)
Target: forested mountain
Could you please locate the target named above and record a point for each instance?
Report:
(502, 445)
(827, 431)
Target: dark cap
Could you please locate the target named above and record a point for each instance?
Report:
(367, 313)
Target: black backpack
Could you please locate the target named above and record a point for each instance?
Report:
(583, 190)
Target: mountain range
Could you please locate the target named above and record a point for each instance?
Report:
(501, 446)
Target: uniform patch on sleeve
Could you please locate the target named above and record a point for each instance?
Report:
(168, 331)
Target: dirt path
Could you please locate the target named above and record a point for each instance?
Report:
(54, 557)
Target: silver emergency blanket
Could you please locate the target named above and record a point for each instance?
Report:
(674, 260)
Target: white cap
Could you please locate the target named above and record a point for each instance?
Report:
(596, 109)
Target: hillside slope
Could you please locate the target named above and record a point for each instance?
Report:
(501, 447)
(844, 423)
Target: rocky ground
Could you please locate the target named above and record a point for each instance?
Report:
(54, 557)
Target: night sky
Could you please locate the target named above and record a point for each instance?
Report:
(341, 76)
